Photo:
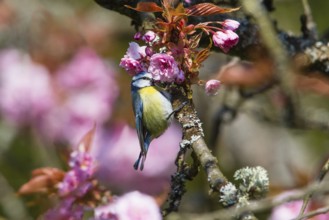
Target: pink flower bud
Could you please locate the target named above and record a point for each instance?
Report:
(225, 39)
(230, 24)
(181, 77)
(149, 51)
(138, 36)
(149, 36)
(212, 87)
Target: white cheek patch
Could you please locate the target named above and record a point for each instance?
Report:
(142, 83)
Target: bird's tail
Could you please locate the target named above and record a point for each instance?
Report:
(142, 155)
(140, 160)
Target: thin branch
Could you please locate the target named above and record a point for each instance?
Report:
(184, 172)
(309, 19)
(319, 211)
(308, 197)
(284, 72)
(256, 206)
(324, 171)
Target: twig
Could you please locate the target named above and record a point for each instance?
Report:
(268, 203)
(324, 171)
(307, 198)
(184, 172)
(308, 215)
(257, 206)
(284, 72)
(177, 184)
(309, 19)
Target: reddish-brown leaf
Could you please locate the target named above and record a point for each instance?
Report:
(86, 141)
(146, 7)
(194, 41)
(202, 55)
(204, 9)
(43, 180)
(178, 11)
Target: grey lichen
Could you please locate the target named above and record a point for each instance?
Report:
(319, 53)
(228, 195)
(254, 181)
(184, 143)
(195, 138)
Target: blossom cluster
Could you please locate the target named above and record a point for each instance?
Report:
(169, 51)
(76, 184)
(162, 66)
(226, 38)
(80, 192)
(61, 105)
(85, 186)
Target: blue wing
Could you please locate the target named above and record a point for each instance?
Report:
(164, 92)
(138, 110)
(143, 137)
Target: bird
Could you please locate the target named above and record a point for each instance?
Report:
(153, 112)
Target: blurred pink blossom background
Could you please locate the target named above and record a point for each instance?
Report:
(26, 89)
(116, 150)
(86, 93)
(131, 206)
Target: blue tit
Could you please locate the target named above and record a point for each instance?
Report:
(153, 110)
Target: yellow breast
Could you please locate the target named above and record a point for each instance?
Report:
(156, 109)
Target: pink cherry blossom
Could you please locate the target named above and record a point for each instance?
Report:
(212, 87)
(131, 62)
(230, 24)
(26, 89)
(131, 65)
(131, 206)
(225, 39)
(163, 67)
(65, 210)
(135, 51)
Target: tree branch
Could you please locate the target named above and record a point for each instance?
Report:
(257, 206)
(248, 31)
(193, 137)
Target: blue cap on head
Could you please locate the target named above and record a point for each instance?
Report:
(144, 74)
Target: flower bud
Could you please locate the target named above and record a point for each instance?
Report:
(212, 87)
(138, 36)
(149, 36)
(149, 51)
(225, 39)
(230, 24)
(181, 77)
